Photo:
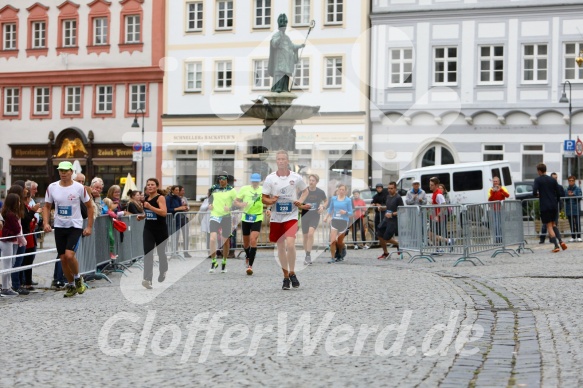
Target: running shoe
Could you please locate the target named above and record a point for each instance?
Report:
(555, 250)
(147, 284)
(383, 256)
(308, 260)
(162, 276)
(80, 285)
(294, 281)
(365, 247)
(214, 265)
(8, 293)
(223, 268)
(71, 291)
(249, 270)
(572, 239)
(285, 284)
(356, 247)
(579, 239)
(343, 253)
(563, 246)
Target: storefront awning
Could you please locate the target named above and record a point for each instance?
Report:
(28, 162)
(329, 146)
(112, 162)
(181, 146)
(56, 161)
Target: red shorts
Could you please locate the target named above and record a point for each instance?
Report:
(278, 230)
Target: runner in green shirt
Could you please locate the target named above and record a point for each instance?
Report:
(249, 199)
(221, 201)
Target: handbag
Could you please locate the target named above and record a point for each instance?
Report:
(120, 226)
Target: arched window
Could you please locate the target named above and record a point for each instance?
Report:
(437, 155)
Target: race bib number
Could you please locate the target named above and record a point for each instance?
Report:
(250, 217)
(314, 206)
(283, 207)
(338, 215)
(216, 219)
(65, 211)
(150, 215)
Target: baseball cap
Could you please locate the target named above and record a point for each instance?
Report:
(255, 177)
(416, 181)
(379, 185)
(65, 166)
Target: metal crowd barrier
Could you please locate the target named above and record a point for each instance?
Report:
(568, 218)
(460, 230)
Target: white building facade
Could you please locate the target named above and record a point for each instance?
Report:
(73, 77)
(217, 54)
(475, 80)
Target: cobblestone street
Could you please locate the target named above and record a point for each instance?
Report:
(364, 322)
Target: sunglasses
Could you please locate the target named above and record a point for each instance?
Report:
(223, 178)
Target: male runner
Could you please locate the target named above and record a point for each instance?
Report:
(280, 191)
(67, 195)
(221, 201)
(311, 217)
(249, 199)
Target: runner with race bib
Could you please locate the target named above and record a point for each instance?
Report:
(249, 199)
(221, 202)
(280, 191)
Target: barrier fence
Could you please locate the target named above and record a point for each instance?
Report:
(455, 233)
(568, 218)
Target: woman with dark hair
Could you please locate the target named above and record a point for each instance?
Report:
(29, 222)
(135, 204)
(18, 277)
(11, 237)
(155, 232)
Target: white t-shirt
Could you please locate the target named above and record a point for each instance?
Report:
(67, 204)
(286, 188)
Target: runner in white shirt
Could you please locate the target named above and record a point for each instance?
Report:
(67, 195)
(280, 191)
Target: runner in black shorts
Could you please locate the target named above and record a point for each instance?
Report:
(311, 218)
(221, 202)
(249, 199)
(67, 196)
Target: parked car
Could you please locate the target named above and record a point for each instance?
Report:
(366, 195)
(523, 190)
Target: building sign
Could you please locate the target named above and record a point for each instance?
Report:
(112, 152)
(202, 137)
(29, 152)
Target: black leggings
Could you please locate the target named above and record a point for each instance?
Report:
(28, 260)
(358, 223)
(155, 239)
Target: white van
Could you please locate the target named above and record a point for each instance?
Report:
(465, 182)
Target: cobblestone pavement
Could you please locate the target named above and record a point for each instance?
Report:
(513, 322)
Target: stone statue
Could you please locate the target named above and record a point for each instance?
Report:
(283, 56)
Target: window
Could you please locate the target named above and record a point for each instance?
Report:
(9, 35)
(301, 13)
(493, 152)
(41, 101)
(69, 33)
(532, 154)
(133, 29)
(195, 16)
(333, 72)
(99, 31)
(224, 76)
(223, 160)
(437, 155)
(262, 13)
(572, 70)
(535, 63)
(339, 170)
(401, 66)
(445, 60)
(468, 181)
(137, 98)
(224, 15)
(186, 171)
(334, 11)
(260, 78)
(193, 77)
(104, 99)
(444, 178)
(38, 35)
(492, 64)
(11, 101)
(302, 75)
(73, 100)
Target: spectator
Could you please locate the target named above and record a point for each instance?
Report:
(437, 224)
(96, 189)
(184, 221)
(497, 193)
(360, 210)
(114, 193)
(20, 248)
(573, 209)
(135, 203)
(29, 223)
(204, 218)
(416, 196)
(11, 236)
(173, 206)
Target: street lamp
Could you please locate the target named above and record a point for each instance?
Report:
(564, 100)
(136, 125)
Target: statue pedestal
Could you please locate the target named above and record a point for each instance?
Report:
(279, 115)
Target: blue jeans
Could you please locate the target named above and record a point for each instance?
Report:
(58, 274)
(17, 262)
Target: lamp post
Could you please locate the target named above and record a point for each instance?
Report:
(136, 125)
(563, 100)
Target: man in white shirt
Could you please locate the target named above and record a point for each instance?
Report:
(280, 191)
